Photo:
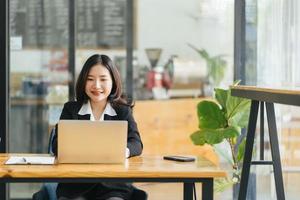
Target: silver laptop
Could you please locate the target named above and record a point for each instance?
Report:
(84, 141)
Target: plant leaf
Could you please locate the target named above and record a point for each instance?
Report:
(198, 138)
(236, 82)
(221, 184)
(212, 136)
(241, 118)
(216, 69)
(237, 111)
(202, 52)
(230, 132)
(221, 96)
(216, 65)
(210, 115)
(241, 151)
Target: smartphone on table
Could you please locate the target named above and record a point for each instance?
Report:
(179, 158)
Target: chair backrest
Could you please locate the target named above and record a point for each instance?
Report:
(52, 133)
(138, 194)
(42, 194)
(51, 190)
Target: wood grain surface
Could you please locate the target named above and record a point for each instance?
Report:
(166, 125)
(267, 90)
(136, 167)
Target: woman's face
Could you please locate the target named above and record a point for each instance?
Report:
(99, 84)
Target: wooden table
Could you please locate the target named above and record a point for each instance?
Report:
(267, 97)
(136, 169)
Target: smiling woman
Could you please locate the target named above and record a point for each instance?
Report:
(98, 87)
(99, 97)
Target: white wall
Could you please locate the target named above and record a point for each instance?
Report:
(171, 24)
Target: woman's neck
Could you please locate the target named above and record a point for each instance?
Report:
(98, 108)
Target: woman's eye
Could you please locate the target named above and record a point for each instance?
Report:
(90, 79)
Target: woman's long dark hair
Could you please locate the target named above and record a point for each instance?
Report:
(115, 97)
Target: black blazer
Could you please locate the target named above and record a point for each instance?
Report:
(134, 142)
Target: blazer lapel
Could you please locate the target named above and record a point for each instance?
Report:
(108, 117)
(83, 117)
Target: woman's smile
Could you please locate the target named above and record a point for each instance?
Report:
(97, 93)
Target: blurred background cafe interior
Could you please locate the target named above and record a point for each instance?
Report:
(171, 54)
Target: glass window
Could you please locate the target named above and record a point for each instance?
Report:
(168, 63)
(38, 76)
(278, 44)
(272, 32)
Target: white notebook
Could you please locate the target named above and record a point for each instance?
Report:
(33, 160)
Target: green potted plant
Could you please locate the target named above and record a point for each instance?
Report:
(221, 120)
(216, 66)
